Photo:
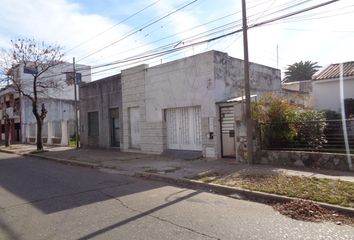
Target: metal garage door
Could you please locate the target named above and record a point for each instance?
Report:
(184, 128)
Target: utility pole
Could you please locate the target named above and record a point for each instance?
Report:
(277, 56)
(76, 117)
(247, 86)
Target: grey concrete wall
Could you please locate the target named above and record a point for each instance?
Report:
(229, 78)
(183, 83)
(305, 159)
(295, 97)
(101, 95)
(133, 95)
(229, 83)
(200, 80)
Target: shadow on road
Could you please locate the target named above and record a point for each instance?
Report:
(53, 187)
(136, 217)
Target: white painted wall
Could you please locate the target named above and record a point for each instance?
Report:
(57, 73)
(58, 110)
(326, 93)
(201, 80)
(294, 86)
(182, 83)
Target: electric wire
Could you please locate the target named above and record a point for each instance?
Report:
(161, 53)
(139, 29)
(113, 26)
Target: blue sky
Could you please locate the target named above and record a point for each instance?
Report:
(325, 35)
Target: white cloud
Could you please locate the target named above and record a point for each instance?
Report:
(68, 24)
(58, 21)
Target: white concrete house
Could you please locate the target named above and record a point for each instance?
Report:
(326, 88)
(190, 104)
(59, 124)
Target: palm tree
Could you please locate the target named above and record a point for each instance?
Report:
(300, 71)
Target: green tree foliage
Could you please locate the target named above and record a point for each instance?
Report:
(310, 127)
(300, 71)
(285, 125)
(275, 114)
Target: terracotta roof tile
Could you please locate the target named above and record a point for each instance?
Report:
(332, 71)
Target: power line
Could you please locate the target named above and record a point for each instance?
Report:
(218, 37)
(181, 32)
(168, 51)
(313, 17)
(140, 29)
(317, 30)
(113, 26)
(288, 5)
(293, 13)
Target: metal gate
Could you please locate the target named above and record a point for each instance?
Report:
(184, 128)
(227, 117)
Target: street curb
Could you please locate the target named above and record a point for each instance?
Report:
(233, 192)
(64, 161)
(8, 151)
(238, 193)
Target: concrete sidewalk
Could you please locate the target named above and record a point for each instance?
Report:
(175, 167)
(179, 171)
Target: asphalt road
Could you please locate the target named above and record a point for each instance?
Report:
(41, 199)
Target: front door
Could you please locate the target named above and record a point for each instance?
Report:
(115, 128)
(228, 131)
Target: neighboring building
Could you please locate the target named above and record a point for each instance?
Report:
(190, 104)
(10, 104)
(100, 113)
(299, 93)
(59, 124)
(326, 88)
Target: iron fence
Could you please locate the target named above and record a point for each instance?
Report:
(321, 136)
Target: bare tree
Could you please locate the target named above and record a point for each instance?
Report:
(36, 59)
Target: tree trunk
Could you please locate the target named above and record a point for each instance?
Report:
(7, 134)
(39, 135)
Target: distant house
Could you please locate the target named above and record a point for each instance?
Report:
(190, 104)
(326, 88)
(59, 123)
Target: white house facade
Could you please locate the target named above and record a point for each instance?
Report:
(191, 104)
(59, 123)
(326, 88)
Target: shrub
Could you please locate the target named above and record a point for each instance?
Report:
(284, 124)
(310, 126)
